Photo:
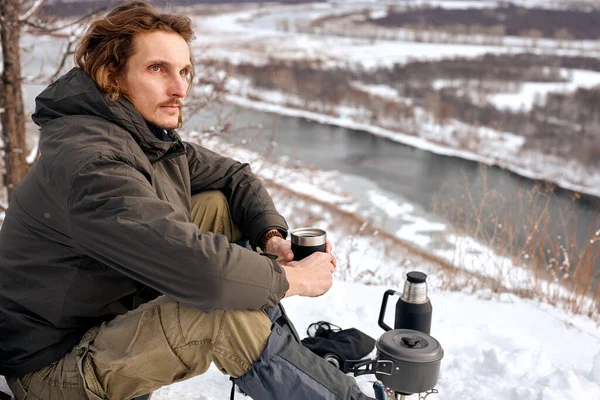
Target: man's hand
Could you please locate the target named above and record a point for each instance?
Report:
(283, 248)
(311, 276)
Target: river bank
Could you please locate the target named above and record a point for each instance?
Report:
(494, 148)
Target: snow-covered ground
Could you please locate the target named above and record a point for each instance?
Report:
(250, 36)
(495, 347)
(525, 98)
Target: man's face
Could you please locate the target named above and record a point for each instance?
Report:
(157, 77)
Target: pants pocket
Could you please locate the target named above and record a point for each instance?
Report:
(17, 387)
(90, 383)
(130, 356)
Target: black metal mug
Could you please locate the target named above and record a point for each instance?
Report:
(306, 241)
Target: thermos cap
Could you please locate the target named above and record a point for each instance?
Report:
(416, 277)
(415, 288)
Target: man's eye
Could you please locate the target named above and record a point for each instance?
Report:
(155, 68)
(184, 72)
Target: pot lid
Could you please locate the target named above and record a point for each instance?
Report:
(409, 346)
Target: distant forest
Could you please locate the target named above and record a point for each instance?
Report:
(457, 88)
(517, 21)
(59, 8)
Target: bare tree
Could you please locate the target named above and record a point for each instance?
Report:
(13, 19)
(11, 97)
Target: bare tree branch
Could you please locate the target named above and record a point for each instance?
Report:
(84, 19)
(36, 6)
(66, 54)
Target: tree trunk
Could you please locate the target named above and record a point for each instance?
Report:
(12, 113)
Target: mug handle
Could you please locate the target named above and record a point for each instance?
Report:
(387, 294)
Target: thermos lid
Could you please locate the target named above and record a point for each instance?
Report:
(416, 277)
(409, 346)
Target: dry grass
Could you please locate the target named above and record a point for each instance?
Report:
(554, 243)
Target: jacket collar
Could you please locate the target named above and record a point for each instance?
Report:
(75, 93)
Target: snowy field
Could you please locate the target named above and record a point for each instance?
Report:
(250, 36)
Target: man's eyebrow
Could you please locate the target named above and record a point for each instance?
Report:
(166, 63)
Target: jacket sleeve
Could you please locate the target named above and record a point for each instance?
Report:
(251, 205)
(117, 218)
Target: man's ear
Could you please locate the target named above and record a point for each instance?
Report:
(117, 88)
(107, 80)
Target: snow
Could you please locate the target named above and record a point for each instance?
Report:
(382, 91)
(220, 37)
(495, 347)
(525, 98)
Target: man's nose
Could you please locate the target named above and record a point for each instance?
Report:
(178, 86)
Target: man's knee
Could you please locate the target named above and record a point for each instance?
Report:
(211, 213)
(214, 198)
(240, 340)
(233, 339)
(212, 202)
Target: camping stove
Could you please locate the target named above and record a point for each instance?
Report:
(407, 362)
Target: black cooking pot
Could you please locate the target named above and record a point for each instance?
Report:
(407, 361)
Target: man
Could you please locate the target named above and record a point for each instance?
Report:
(119, 210)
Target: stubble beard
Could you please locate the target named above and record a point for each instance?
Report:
(170, 126)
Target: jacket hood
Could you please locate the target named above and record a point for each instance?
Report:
(75, 93)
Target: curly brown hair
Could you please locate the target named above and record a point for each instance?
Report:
(108, 43)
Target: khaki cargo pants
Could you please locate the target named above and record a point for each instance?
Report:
(156, 344)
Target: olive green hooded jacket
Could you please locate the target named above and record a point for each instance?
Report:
(105, 213)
